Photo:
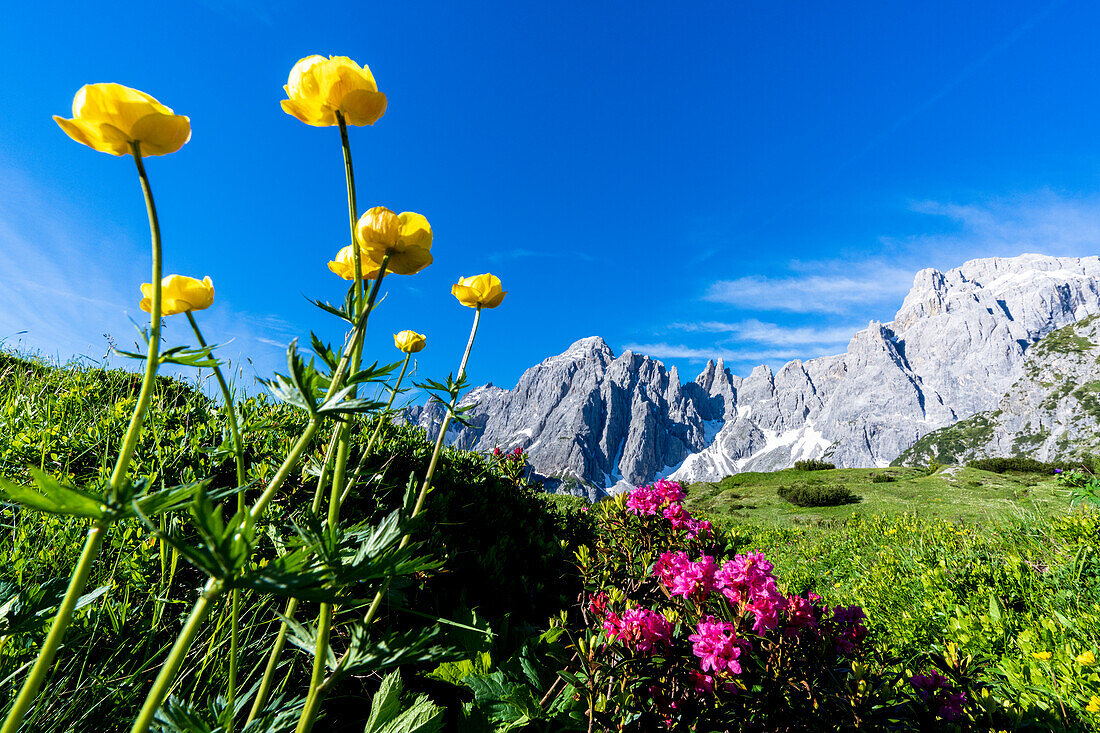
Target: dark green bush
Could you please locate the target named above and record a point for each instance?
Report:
(883, 478)
(813, 465)
(817, 495)
(1021, 464)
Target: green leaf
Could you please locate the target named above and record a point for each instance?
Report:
(54, 497)
(389, 715)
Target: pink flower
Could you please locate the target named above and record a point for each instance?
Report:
(681, 518)
(685, 578)
(639, 628)
(746, 581)
(941, 697)
(598, 603)
(717, 647)
(670, 491)
(848, 628)
(802, 614)
(643, 501)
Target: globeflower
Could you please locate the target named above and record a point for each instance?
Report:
(1087, 659)
(179, 294)
(344, 265)
(405, 237)
(409, 341)
(111, 118)
(319, 88)
(479, 291)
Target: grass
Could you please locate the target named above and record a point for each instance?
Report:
(950, 493)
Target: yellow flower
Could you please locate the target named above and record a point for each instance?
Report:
(409, 341)
(109, 117)
(1094, 705)
(1042, 656)
(1087, 659)
(179, 294)
(344, 265)
(405, 237)
(479, 291)
(318, 88)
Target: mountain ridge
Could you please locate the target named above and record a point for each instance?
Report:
(592, 421)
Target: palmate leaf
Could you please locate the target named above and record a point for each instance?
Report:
(182, 716)
(386, 649)
(388, 713)
(201, 358)
(302, 386)
(53, 497)
(224, 546)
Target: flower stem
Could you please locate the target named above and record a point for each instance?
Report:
(372, 612)
(378, 428)
(175, 659)
(94, 540)
(242, 480)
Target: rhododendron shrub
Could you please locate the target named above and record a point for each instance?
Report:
(682, 632)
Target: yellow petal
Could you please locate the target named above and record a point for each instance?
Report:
(344, 265)
(85, 136)
(409, 341)
(415, 230)
(309, 112)
(363, 107)
(303, 81)
(146, 305)
(378, 228)
(409, 261)
(465, 295)
(340, 76)
(160, 134)
(495, 300)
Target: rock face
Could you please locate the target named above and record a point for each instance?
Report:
(1051, 412)
(592, 421)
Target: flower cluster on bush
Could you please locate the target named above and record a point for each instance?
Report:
(679, 628)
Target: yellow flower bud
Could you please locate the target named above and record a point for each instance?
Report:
(344, 265)
(109, 117)
(1094, 705)
(409, 341)
(479, 291)
(318, 88)
(1041, 656)
(406, 238)
(179, 294)
(1087, 659)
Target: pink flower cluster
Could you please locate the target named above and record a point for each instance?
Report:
(510, 456)
(848, 629)
(664, 497)
(935, 690)
(648, 500)
(803, 614)
(747, 581)
(716, 644)
(639, 628)
(685, 578)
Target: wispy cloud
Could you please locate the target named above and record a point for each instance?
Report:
(836, 287)
(756, 331)
(679, 351)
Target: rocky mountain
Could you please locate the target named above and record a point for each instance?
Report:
(591, 420)
(1052, 411)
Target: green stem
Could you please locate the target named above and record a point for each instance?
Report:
(378, 428)
(372, 612)
(94, 540)
(272, 661)
(42, 665)
(353, 208)
(242, 480)
(155, 697)
(175, 659)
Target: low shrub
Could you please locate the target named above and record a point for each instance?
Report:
(813, 465)
(817, 495)
(883, 478)
(1021, 464)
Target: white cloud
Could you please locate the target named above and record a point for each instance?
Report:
(756, 331)
(677, 351)
(836, 287)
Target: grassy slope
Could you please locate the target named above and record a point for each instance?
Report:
(952, 492)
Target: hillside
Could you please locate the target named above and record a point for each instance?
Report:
(1051, 412)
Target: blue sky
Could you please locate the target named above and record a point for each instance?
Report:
(747, 180)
